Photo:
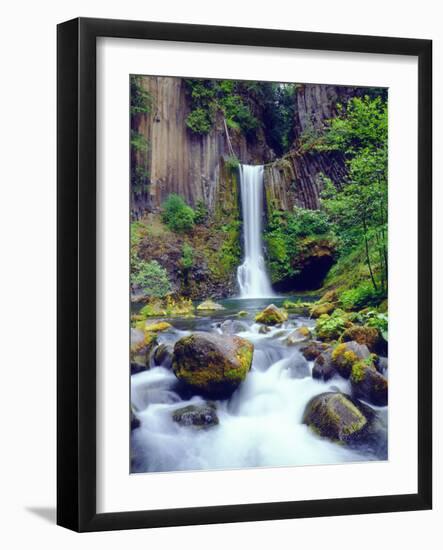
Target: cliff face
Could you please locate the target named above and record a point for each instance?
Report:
(178, 161)
(295, 179)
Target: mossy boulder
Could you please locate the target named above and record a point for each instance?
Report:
(370, 336)
(336, 416)
(331, 296)
(196, 416)
(369, 384)
(323, 308)
(212, 364)
(242, 314)
(300, 334)
(157, 326)
(168, 307)
(344, 356)
(298, 308)
(209, 305)
(271, 315)
(313, 349)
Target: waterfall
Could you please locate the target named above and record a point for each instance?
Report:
(251, 275)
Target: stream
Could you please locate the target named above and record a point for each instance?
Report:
(260, 425)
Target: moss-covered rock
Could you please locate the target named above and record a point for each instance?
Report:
(313, 349)
(298, 308)
(319, 309)
(344, 356)
(157, 326)
(331, 296)
(271, 315)
(369, 384)
(300, 334)
(370, 336)
(242, 314)
(168, 307)
(336, 416)
(196, 416)
(209, 305)
(212, 364)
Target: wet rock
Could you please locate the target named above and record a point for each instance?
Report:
(157, 326)
(162, 355)
(298, 308)
(337, 417)
(231, 326)
(212, 364)
(313, 349)
(370, 336)
(142, 344)
(242, 314)
(271, 315)
(323, 368)
(368, 384)
(196, 416)
(381, 364)
(264, 329)
(300, 334)
(346, 354)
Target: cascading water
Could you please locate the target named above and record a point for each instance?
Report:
(251, 275)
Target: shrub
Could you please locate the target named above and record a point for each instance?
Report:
(199, 121)
(359, 297)
(232, 163)
(200, 213)
(187, 256)
(152, 278)
(331, 327)
(177, 215)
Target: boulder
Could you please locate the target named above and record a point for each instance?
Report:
(242, 314)
(323, 368)
(299, 308)
(300, 334)
(271, 315)
(196, 416)
(346, 354)
(209, 305)
(212, 364)
(370, 336)
(313, 349)
(369, 384)
(336, 416)
(324, 308)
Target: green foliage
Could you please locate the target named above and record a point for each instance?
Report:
(138, 141)
(199, 121)
(151, 278)
(232, 162)
(358, 207)
(284, 234)
(141, 100)
(200, 213)
(187, 259)
(359, 296)
(177, 215)
(373, 318)
(331, 327)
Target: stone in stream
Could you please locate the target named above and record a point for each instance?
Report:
(338, 417)
(368, 384)
(300, 334)
(313, 349)
(162, 355)
(142, 344)
(346, 354)
(197, 416)
(271, 315)
(212, 364)
(323, 368)
(369, 336)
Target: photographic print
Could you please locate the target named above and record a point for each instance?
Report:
(258, 274)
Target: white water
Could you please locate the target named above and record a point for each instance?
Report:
(251, 275)
(260, 425)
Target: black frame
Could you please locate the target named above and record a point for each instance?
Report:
(76, 251)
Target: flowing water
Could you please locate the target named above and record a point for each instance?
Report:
(260, 425)
(252, 278)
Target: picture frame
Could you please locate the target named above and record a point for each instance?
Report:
(77, 274)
